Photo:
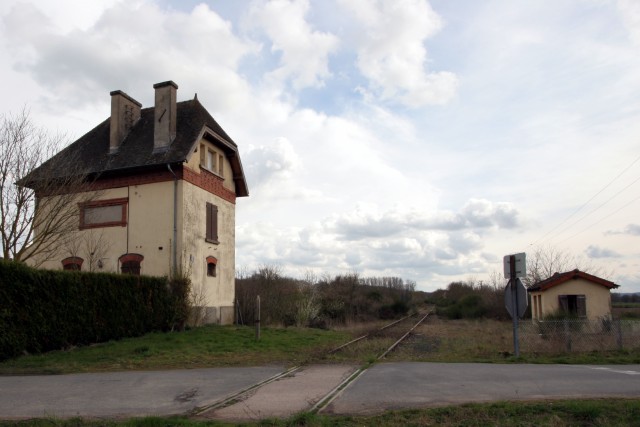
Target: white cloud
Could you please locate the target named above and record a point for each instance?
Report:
(390, 37)
(630, 229)
(547, 113)
(267, 163)
(132, 44)
(304, 52)
(594, 251)
(630, 13)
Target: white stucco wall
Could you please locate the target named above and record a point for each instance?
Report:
(219, 291)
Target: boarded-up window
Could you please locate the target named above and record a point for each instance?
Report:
(103, 213)
(212, 223)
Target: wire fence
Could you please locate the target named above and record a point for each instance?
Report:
(573, 335)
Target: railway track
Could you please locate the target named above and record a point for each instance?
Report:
(335, 392)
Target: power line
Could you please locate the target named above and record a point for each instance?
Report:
(601, 205)
(585, 204)
(601, 219)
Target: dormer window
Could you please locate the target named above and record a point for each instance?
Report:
(211, 160)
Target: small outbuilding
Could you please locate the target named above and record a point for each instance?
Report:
(574, 293)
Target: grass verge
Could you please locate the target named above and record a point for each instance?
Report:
(207, 346)
(604, 412)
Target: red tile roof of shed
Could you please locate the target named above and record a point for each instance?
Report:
(560, 278)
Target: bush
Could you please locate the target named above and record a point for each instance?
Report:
(42, 310)
(468, 307)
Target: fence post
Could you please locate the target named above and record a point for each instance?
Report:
(567, 334)
(619, 337)
(258, 318)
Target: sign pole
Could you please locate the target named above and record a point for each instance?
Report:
(514, 301)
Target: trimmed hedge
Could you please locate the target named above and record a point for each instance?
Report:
(43, 310)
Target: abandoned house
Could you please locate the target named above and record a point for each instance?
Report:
(163, 187)
(574, 293)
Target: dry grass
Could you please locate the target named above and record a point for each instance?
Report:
(440, 340)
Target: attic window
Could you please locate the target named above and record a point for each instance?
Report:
(211, 160)
(104, 213)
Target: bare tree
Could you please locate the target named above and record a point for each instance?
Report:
(96, 247)
(545, 261)
(38, 199)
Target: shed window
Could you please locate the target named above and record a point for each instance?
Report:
(212, 223)
(573, 305)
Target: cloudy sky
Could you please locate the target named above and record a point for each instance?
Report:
(411, 138)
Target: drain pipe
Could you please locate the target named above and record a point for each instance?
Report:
(174, 246)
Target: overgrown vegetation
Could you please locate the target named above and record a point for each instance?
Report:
(43, 310)
(470, 300)
(321, 301)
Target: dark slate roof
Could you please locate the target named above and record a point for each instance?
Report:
(90, 153)
(559, 278)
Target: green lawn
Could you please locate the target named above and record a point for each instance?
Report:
(207, 346)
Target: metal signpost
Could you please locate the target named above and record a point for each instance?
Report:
(515, 297)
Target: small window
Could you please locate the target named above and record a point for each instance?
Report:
(211, 266)
(573, 305)
(131, 264)
(220, 165)
(212, 223)
(211, 160)
(103, 213)
(73, 263)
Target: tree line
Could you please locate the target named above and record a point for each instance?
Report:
(321, 301)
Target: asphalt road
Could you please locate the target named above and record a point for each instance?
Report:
(383, 386)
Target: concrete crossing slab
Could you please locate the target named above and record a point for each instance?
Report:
(287, 396)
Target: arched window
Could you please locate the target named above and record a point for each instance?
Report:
(72, 263)
(212, 264)
(130, 263)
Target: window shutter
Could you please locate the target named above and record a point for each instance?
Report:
(212, 223)
(563, 300)
(208, 220)
(581, 305)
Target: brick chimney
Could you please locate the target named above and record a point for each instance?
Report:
(164, 125)
(125, 112)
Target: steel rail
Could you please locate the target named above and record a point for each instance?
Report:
(236, 396)
(395, 344)
(366, 335)
(329, 397)
(333, 394)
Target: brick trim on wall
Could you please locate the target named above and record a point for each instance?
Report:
(131, 257)
(206, 180)
(210, 182)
